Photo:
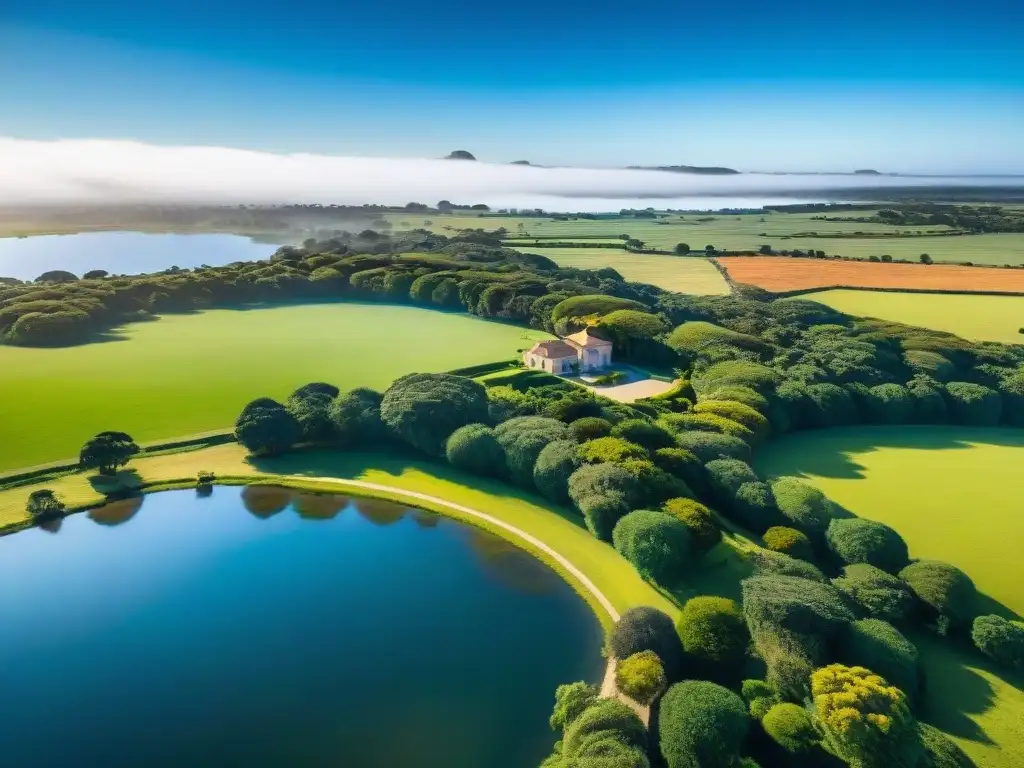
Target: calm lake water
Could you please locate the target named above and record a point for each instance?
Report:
(128, 253)
(259, 627)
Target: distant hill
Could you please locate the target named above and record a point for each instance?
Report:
(708, 170)
(520, 162)
(868, 172)
(460, 154)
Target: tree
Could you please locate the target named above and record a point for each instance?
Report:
(704, 530)
(643, 628)
(1000, 640)
(265, 427)
(788, 541)
(555, 464)
(356, 418)
(880, 647)
(44, 505)
(644, 433)
(57, 276)
(656, 544)
(804, 506)
(714, 635)
(864, 720)
(855, 540)
(612, 450)
(702, 725)
(311, 406)
(590, 428)
(474, 448)
(709, 250)
(877, 593)
(790, 726)
(107, 452)
(641, 676)
(95, 274)
(423, 409)
(682, 249)
(925, 258)
(523, 438)
(945, 592)
(571, 700)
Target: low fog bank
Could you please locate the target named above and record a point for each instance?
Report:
(99, 171)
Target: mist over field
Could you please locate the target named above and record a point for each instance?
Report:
(102, 171)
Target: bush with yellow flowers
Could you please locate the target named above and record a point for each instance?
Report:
(865, 721)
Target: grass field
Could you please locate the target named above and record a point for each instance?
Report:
(780, 273)
(980, 318)
(733, 232)
(951, 492)
(673, 273)
(185, 374)
(556, 527)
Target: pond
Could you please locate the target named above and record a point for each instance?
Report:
(261, 627)
(128, 253)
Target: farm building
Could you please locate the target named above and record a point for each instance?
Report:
(582, 351)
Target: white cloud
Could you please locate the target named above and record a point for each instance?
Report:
(101, 171)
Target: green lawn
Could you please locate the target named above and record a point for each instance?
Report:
(787, 231)
(952, 493)
(980, 318)
(184, 374)
(690, 274)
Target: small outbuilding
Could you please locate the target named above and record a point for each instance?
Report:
(582, 351)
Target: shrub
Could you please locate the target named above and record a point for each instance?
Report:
(474, 448)
(726, 476)
(592, 304)
(767, 562)
(789, 660)
(311, 408)
(865, 721)
(523, 438)
(43, 504)
(889, 404)
(791, 727)
(702, 724)
(684, 465)
(805, 507)
(946, 591)
(735, 373)
(754, 507)
(653, 486)
(738, 393)
(973, 404)
(739, 413)
(704, 530)
(829, 406)
(929, 403)
(855, 540)
(646, 434)
(880, 647)
(656, 544)
(590, 428)
(708, 422)
(602, 493)
(708, 446)
(940, 751)
(555, 465)
(879, 594)
(798, 605)
(760, 697)
(423, 409)
(570, 702)
(604, 715)
(610, 450)
(647, 629)
(641, 676)
(265, 427)
(929, 363)
(356, 418)
(1000, 640)
(788, 541)
(713, 633)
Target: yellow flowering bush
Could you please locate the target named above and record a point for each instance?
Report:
(865, 721)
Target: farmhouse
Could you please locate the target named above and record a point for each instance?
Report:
(582, 351)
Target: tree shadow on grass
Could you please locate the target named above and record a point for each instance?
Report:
(119, 485)
(831, 453)
(395, 462)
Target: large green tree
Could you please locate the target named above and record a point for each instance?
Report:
(108, 452)
(423, 409)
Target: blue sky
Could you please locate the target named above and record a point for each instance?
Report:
(901, 86)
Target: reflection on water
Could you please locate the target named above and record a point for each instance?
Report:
(52, 525)
(265, 501)
(116, 512)
(220, 632)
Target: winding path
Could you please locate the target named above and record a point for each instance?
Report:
(533, 541)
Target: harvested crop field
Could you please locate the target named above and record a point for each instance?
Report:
(781, 273)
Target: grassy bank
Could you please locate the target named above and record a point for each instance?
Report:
(185, 374)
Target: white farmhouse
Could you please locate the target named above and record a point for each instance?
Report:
(582, 351)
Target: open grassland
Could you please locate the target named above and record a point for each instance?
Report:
(979, 318)
(738, 232)
(185, 374)
(781, 273)
(952, 493)
(684, 274)
(559, 528)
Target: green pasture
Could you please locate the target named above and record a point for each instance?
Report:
(184, 374)
(783, 231)
(952, 493)
(979, 318)
(684, 274)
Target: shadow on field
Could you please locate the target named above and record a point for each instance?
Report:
(354, 466)
(829, 453)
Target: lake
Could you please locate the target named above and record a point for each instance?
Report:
(128, 253)
(261, 627)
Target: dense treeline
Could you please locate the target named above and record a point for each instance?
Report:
(966, 218)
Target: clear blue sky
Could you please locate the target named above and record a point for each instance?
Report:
(933, 86)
